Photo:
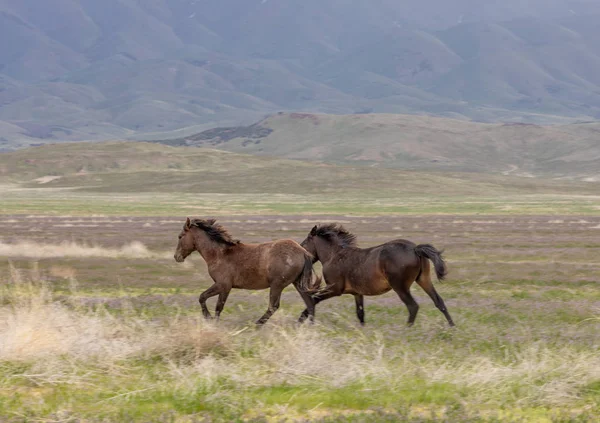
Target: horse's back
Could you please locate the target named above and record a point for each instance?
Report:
(283, 258)
(399, 242)
(257, 266)
(287, 246)
(286, 253)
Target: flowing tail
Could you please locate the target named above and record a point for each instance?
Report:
(309, 280)
(430, 252)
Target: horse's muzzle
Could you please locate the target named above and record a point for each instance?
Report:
(178, 258)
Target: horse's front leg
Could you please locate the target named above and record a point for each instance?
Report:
(274, 297)
(333, 290)
(221, 303)
(215, 289)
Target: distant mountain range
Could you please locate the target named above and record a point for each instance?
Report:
(89, 69)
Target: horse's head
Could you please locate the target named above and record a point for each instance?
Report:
(324, 239)
(186, 244)
(202, 235)
(309, 244)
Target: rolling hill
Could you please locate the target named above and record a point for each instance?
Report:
(136, 167)
(84, 70)
(417, 142)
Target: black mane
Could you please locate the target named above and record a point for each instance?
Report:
(215, 232)
(334, 232)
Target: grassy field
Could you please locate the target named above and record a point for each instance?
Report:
(98, 323)
(141, 179)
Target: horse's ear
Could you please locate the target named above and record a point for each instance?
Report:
(188, 224)
(211, 221)
(313, 231)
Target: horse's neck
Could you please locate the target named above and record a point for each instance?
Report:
(209, 250)
(340, 261)
(215, 254)
(328, 252)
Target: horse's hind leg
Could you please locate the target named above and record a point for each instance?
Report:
(328, 292)
(310, 304)
(400, 278)
(411, 304)
(424, 281)
(274, 297)
(360, 308)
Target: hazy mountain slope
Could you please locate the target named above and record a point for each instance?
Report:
(418, 142)
(405, 56)
(28, 54)
(524, 62)
(83, 69)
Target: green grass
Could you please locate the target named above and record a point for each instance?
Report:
(51, 202)
(506, 362)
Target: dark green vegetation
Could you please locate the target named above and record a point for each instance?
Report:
(80, 70)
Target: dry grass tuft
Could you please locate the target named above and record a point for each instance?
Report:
(188, 341)
(36, 328)
(64, 272)
(30, 249)
(306, 354)
(544, 376)
(33, 326)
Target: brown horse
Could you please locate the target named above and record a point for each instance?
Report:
(232, 264)
(373, 271)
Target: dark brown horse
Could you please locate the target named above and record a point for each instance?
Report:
(373, 271)
(232, 264)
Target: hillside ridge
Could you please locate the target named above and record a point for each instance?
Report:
(138, 167)
(416, 142)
